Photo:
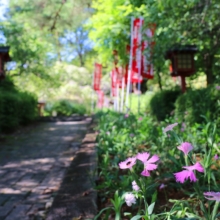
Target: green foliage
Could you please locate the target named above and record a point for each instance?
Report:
(123, 136)
(177, 22)
(64, 107)
(17, 108)
(197, 106)
(162, 103)
(7, 85)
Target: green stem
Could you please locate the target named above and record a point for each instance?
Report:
(186, 160)
(215, 210)
(117, 216)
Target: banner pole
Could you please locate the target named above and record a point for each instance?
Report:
(130, 66)
(117, 92)
(122, 94)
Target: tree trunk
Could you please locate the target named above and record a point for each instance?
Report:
(81, 59)
(159, 78)
(210, 78)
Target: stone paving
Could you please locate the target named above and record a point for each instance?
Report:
(33, 165)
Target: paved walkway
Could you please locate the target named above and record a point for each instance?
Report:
(33, 166)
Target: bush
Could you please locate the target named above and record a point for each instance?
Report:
(198, 106)
(7, 85)
(162, 103)
(16, 108)
(64, 107)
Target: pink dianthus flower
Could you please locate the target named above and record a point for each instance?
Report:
(212, 196)
(185, 147)
(148, 163)
(216, 157)
(170, 127)
(188, 173)
(128, 163)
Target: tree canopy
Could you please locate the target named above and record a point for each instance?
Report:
(177, 22)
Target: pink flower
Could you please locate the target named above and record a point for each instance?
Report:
(148, 164)
(188, 173)
(132, 135)
(212, 196)
(130, 199)
(183, 127)
(216, 157)
(135, 186)
(185, 147)
(140, 119)
(217, 87)
(170, 127)
(126, 115)
(162, 186)
(128, 163)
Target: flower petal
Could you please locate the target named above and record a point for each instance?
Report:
(192, 176)
(153, 159)
(182, 176)
(197, 166)
(151, 166)
(128, 163)
(145, 173)
(185, 147)
(143, 156)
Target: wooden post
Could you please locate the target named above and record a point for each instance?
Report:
(183, 83)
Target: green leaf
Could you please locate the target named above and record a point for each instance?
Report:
(136, 217)
(151, 208)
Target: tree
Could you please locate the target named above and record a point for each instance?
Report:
(178, 22)
(77, 43)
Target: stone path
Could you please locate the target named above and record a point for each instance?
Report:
(33, 166)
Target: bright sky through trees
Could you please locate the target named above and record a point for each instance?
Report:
(3, 6)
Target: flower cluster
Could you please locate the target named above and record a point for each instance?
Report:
(149, 163)
(188, 172)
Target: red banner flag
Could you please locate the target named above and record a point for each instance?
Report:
(114, 82)
(97, 76)
(100, 99)
(136, 50)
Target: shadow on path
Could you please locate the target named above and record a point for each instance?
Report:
(33, 165)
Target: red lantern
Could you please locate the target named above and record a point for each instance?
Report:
(182, 59)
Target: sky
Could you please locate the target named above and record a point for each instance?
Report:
(3, 6)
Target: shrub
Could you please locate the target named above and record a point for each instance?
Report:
(162, 103)
(28, 108)
(16, 108)
(64, 107)
(198, 106)
(7, 85)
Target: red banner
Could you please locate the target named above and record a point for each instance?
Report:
(97, 76)
(100, 103)
(146, 62)
(136, 50)
(114, 82)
